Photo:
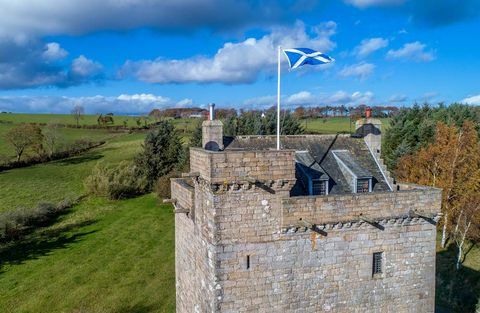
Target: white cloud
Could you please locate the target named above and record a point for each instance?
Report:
(474, 100)
(300, 98)
(414, 51)
(368, 46)
(370, 3)
(235, 62)
(398, 98)
(185, 103)
(306, 98)
(125, 103)
(84, 67)
(54, 52)
(360, 70)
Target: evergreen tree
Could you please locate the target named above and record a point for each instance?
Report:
(196, 140)
(162, 152)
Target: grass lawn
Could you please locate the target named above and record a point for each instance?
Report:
(104, 256)
(333, 125)
(53, 181)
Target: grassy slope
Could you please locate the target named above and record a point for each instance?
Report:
(65, 136)
(103, 257)
(55, 180)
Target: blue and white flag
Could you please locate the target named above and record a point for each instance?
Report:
(301, 56)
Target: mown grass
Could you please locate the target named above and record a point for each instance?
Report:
(333, 125)
(105, 256)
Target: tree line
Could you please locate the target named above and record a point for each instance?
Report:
(439, 146)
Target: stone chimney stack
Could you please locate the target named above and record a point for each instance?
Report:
(371, 130)
(212, 132)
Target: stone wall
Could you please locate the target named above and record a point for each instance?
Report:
(195, 256)
(218, 167)
(306, 272)
(346, 208)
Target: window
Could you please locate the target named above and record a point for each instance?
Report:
(248, 262)
(363, 185)
(319, 187)
(377, 263)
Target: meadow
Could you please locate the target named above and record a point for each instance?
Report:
(118, 256)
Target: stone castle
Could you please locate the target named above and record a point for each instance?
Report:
(318, 226)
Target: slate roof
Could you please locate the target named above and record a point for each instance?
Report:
(348, 160)
(320, 148)
(309, 165)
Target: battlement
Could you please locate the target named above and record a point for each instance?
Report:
(240, 165)
(334, 209)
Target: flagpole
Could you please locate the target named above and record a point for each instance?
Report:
(278, 100)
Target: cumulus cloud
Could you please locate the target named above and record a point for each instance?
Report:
(84, 67)
(306, 98)
(123, 104)
(413, 51)
(74, 17)
(54, 52)
(235, 62)
(360, 70)
(368, 46)
(33, 64)
(474, 100)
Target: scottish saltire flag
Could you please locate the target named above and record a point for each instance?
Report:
(301, 56)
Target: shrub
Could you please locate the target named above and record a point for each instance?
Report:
(162, 187)
(15, 223)
(119, 182)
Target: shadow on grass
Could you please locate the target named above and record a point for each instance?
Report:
(457, 291)
(87, 157)
(38, 244)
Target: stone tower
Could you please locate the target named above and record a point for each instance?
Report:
(315, 227)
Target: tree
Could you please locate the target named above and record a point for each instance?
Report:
(161, 152)
(196, 140)
(77, 113)
(451, 162)
(23, 137)
(50, 138)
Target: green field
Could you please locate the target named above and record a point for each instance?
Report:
(104, 256)
(333, 125)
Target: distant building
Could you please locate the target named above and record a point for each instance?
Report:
(318, 226)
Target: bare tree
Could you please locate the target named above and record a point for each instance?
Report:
(51, 138)
(78, 111)
(467, 225)
(23, 137)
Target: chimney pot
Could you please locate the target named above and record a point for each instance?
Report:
(211, 115)
(368, 112)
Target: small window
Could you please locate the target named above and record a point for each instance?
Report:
(377, 263)
(363, 185)
(319, 187)
(248, 262)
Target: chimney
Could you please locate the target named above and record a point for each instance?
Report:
(212, 132)
(371, 130)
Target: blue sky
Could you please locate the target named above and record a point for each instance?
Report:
(129, 56)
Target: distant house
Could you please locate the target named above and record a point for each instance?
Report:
(196, 115)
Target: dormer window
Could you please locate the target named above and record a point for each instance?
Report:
(310, 174)
(363, 185)
(319, 187)
(360, 179)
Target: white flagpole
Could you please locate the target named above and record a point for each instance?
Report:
(278, 100)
